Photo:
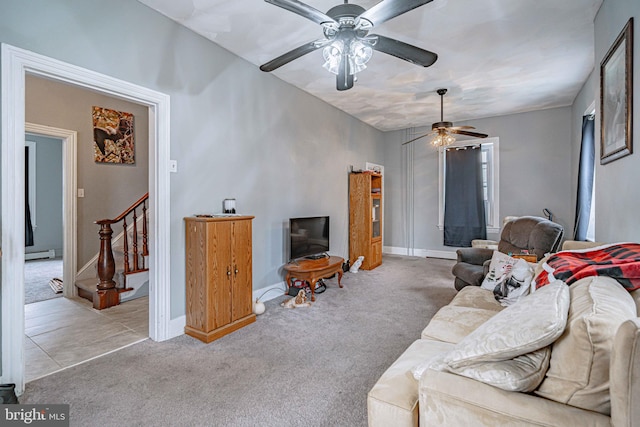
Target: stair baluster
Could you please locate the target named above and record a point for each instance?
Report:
(145, 248)
(135, 241)
(125, 246)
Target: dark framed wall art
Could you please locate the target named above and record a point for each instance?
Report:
(113, 136)
(616, 98)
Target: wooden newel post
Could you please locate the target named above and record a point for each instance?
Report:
(107, 295)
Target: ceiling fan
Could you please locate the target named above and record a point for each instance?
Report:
(347, 44)
(443, 131)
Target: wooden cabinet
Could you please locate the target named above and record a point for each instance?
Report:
(365, 218)
(218, 276)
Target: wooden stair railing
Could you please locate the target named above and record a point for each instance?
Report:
(107, 294)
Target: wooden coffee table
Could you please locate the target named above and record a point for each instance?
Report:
(313, 270)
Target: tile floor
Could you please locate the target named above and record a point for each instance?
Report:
(57, 335)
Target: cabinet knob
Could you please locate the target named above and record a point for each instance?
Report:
(228, 272)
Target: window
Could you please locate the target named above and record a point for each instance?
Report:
(490, 181)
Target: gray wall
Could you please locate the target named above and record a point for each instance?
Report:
(617, 198)
(48, 209)
(535, 173)
(109, 188)
(235, 131)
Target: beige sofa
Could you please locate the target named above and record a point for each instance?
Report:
(593, 375)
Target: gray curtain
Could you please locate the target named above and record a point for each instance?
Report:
(28, 227)
(585, 179)
(464, 218)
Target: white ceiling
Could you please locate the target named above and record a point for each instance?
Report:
(496, 57)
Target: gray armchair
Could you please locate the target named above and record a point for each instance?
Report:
(537, 235)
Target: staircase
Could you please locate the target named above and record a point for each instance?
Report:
(122, 266)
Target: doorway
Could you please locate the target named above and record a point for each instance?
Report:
(16, 64)
(43, 218)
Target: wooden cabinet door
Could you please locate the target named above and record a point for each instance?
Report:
(242, 296)
(376, 254)
(197, 309)
(220, 275)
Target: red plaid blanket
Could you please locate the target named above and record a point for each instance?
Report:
(620, 261)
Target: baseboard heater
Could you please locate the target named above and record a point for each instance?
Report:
(40, 255)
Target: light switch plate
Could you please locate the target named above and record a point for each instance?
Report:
(173, 166)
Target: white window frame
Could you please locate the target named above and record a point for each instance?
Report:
(492, 145)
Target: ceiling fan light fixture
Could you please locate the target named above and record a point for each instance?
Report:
(359, 55)
(332, 55)
(443, 139)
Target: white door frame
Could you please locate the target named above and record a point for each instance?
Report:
(16, 63)
(69, 201)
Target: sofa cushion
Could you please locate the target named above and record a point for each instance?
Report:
(453, 323)
(448, 400)
(393, 400)
(578, 374)
(476, 297)
(530, 324)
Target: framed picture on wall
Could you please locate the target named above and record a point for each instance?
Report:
(616, 97)
(113, 136)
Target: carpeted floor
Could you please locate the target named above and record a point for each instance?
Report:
(293, 367)
(37, 274)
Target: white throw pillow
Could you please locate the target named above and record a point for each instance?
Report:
(532, 323)
(523, 373)
(509, 278)
(434, 362)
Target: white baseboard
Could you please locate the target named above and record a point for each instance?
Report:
(40, 255)
(441, 254)
(176, 326)
(268, 293)
(395, 250)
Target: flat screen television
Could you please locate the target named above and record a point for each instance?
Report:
(308, 237)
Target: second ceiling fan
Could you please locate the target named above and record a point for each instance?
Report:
(347, 44)
(442, 131)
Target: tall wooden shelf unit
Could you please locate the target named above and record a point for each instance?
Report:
(365, 218)
(218, 276)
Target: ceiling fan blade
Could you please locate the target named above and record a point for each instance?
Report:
(303, 10)
(293, 54)
(344, 79)
(415, 139)
(405, 51)
(461, 127)
(388, 9)
(474, 134)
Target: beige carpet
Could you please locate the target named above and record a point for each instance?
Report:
(293, 367)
